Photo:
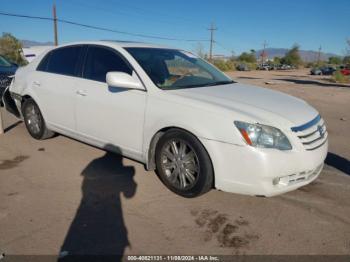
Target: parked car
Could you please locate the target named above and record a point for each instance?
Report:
(328, 70)
(7, 69)
(285, 67)
(324, 70)
(345, 70)
(316, 71)
(242, 67)
(175, 113)
(265, 67)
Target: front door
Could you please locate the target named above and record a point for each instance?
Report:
(113, 117)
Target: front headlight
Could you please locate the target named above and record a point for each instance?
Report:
(263, 136)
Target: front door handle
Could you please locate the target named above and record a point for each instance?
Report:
(81, 93)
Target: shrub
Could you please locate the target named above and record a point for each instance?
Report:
(334, 60)
(340, 78)
(252, 66)
(310, 65)
(11, 48)
(230, 65)
(224, 65)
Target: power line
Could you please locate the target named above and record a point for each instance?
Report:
(102, 28)
(223, 47)
(137, 11)
(116, 13)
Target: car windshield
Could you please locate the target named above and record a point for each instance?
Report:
(4, 62)
(175, 69)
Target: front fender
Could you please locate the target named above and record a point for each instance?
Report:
(204, 124)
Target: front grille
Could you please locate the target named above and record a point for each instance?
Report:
(5, 81)
(312, 134)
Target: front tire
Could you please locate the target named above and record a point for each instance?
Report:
(183, 164)
(34, 121)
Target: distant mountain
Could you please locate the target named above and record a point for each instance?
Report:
(29, 43)
(306, 55)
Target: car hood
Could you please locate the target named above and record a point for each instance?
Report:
(263, 104)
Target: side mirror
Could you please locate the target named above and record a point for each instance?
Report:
(123, 80)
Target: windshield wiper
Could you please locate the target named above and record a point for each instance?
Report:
(219, 83)
(201, 85)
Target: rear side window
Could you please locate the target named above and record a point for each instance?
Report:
(100, 61)
(43, 63)
(63, 60)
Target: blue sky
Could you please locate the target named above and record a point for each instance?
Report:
(242, 25)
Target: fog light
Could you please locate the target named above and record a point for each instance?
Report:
(275, 181)
(283, 181)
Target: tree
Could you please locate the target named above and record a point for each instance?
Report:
(11, 48)
(292, 57)
(334, 60)
(277, 60)
(248, 57)
(199, 50)
(346, 60)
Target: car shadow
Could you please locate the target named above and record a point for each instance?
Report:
(12, 126)
(248, 77)
(98, 228)
(296, 76)
(311, 82)
(338, 162)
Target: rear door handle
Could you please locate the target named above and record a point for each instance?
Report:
(81, 93)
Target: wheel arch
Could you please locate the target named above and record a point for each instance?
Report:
(27, 96)
(151, 163)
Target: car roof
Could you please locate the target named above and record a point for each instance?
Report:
(118, 43)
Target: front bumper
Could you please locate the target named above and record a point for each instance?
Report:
(256, 171)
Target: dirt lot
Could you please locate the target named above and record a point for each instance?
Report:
(62, 195)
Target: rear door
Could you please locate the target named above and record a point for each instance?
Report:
(108, 115)
(55, 86)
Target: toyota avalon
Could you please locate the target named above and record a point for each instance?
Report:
(174, 112)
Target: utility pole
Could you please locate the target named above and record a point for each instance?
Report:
(319, 55)
(211, 29)
(263, 53)
(55, 24)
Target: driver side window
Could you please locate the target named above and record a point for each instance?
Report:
(100, 61)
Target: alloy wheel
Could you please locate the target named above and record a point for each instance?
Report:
(180, 164)
(33, 118)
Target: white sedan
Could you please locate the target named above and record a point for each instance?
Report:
(175, 113)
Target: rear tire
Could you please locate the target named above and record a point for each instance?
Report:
(34, 121)
(183, 164)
